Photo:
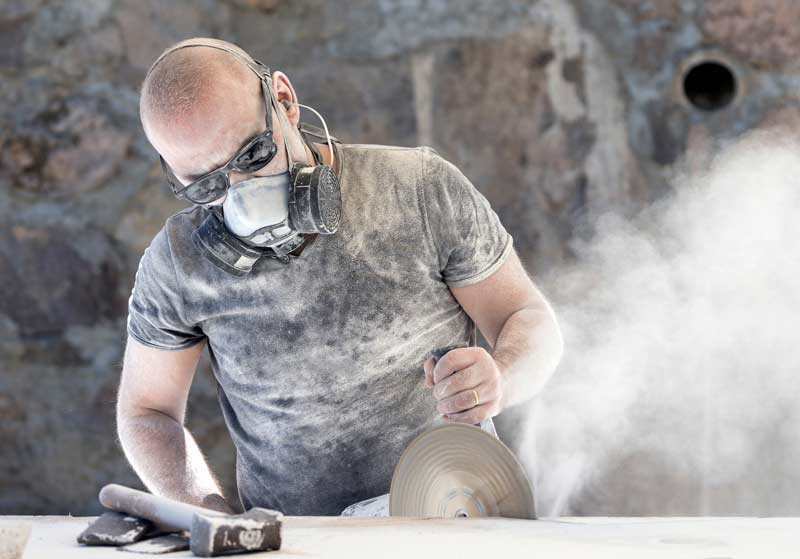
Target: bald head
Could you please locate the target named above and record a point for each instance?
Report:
(200, 104)
(191, 81)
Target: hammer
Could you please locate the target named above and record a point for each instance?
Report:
(212, 532)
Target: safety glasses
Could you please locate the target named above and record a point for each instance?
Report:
(254, 155)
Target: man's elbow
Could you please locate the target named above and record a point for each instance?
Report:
(547, 344)
(133, 419)
(127, 409)
(128, 419)
(554, 341)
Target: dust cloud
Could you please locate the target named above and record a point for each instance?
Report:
(679, 391)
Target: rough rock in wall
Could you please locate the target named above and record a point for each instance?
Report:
(555, 109)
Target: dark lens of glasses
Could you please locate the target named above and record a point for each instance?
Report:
(259, 153)
(207, 189)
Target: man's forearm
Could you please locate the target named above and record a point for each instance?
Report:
(167, 459)
(527, 352)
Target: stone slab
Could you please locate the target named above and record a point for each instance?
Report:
(597, 537)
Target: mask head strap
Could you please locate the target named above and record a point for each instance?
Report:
(259, 68)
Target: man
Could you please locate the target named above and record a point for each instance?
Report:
(318, 341)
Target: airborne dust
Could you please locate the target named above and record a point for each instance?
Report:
(679, 391)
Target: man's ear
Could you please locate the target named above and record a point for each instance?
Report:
(286, 97)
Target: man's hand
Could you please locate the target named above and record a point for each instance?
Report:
(467, 383)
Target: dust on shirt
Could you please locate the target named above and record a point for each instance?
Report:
(319, 361)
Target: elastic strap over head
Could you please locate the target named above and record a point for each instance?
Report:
(259, 68)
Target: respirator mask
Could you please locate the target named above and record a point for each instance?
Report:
(262, 217)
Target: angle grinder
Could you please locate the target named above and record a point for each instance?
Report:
(459, 470)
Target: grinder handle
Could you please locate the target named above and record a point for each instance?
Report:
(168, 514)
(487, 424)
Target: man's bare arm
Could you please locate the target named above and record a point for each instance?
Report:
(519, 324)
(471, 384)
(150, 412)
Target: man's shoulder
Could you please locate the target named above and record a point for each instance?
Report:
(382, 147)
(185, 220)
(399, 165)
(379, 153)
(175, 235)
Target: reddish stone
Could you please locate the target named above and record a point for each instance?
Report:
(762, 32)
(92, 160)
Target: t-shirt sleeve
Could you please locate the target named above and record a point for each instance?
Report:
(156, 314)
(470, 240)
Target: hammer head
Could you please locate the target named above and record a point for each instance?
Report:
(218, 534)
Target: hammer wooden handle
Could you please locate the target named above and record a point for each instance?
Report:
(168, 514)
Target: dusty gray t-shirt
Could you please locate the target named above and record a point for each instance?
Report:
(319, 361)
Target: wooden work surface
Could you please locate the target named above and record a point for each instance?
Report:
(53, 537)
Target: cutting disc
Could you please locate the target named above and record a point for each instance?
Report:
(460, 470)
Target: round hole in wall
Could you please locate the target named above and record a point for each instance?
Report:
(709, 85)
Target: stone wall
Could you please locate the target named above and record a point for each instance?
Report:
(555, 109)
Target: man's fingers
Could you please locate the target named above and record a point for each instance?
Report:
(467, 399)
(472, 416)
(428, 366)
(457, 382)
(466, 384)
(454, 360)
